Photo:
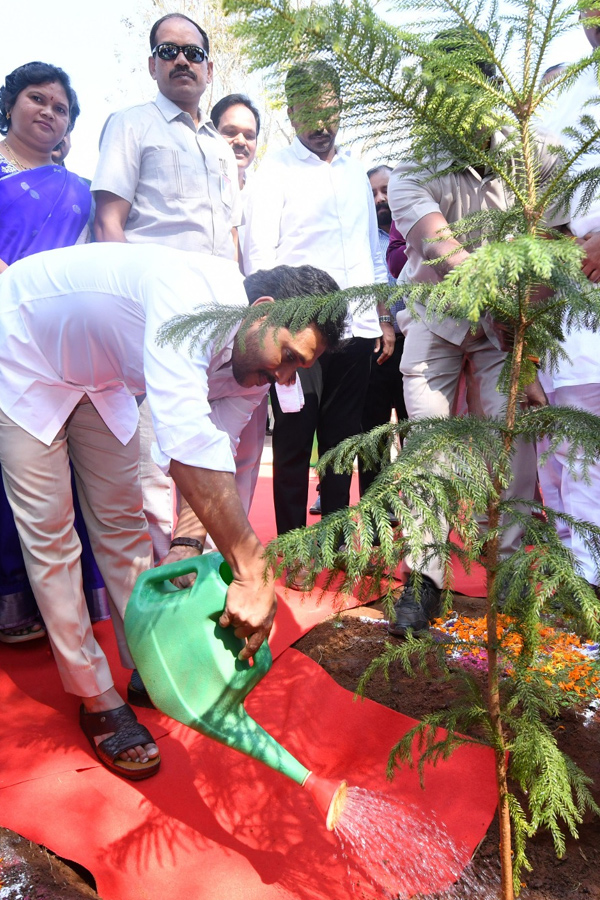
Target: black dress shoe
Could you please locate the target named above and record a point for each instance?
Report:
(137, 694)
(416, 608)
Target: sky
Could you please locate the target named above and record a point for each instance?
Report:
(103, 47)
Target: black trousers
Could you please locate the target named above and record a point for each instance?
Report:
(334, 396)
(384, 394)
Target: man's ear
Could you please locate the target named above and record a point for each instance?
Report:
(263, 300)
(152, 66)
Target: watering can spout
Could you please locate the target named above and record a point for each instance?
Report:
(329, 796)
(189, 664)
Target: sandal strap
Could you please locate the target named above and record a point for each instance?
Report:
(128, 732)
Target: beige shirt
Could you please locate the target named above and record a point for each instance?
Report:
(181, 181)
(413, 193)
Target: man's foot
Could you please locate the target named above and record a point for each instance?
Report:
(416, 607)
(137, 694)
(298, 578)
(315, 509)
(21, 635)
(110, 701)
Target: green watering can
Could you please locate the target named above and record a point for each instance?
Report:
(189, 665)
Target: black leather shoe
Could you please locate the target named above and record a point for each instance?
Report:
(416, 608)
(137, 694)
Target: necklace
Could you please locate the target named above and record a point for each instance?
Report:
(13, 158)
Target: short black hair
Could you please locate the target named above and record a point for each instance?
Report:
(309, 79)
(230, 100)
(34, 73)
(286, 282)
(157, 25)
(376, 169)
(461, 38)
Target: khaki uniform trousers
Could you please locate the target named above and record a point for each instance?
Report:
(37, 483)
(431, 367)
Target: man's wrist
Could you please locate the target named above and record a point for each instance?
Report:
(194, 543)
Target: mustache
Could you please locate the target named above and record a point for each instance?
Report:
(183, 70)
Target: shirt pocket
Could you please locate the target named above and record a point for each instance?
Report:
(177, 174)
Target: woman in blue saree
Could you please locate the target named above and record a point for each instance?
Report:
(42, 207)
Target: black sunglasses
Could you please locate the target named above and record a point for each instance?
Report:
(170, 52)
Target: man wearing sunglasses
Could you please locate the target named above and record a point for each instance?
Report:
(166, 176)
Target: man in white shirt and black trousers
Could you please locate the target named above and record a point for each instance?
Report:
(312, 203)
(78, 343)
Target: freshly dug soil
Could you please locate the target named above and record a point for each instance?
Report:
(344, 646)
(30, 872)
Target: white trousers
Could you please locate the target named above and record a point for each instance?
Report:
(37, 481)
(568, 492)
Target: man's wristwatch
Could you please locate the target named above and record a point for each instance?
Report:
(386, 320)
(187, 542)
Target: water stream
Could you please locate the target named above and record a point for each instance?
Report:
(403, 854)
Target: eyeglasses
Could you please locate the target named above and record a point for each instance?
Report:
(170, 52)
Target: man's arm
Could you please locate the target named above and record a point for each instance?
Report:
(251, 600)
(236, 247)
(431, 239)
(111, 216)
(117, 175)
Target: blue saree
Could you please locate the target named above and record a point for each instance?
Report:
(40, 209)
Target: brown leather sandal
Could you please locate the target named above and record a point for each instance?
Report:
(128, 733)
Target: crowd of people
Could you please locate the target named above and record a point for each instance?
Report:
(104, 433)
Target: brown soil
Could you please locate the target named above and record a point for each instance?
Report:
(345, 645)
(30, 872)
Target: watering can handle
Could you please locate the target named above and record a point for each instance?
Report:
(197, 564)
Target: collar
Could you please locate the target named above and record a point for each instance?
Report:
(304, 153)
(171, 111)
(497, 138)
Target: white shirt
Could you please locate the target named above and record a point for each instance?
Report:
(182, 182)
(83, 320)
(303, 211)
(580, 344)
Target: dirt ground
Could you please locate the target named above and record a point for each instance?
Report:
(344, 646)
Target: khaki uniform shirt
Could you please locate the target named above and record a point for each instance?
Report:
(413, 194)
(181, 181)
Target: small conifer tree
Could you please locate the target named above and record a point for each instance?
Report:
(412, 98)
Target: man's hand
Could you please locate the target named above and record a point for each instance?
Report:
(213, 498)
(590, 245)
(386, 343)
(250, 609)
(534, 395)
(505, 334)
(176, 554)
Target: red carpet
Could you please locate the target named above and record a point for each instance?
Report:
(214, 824)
